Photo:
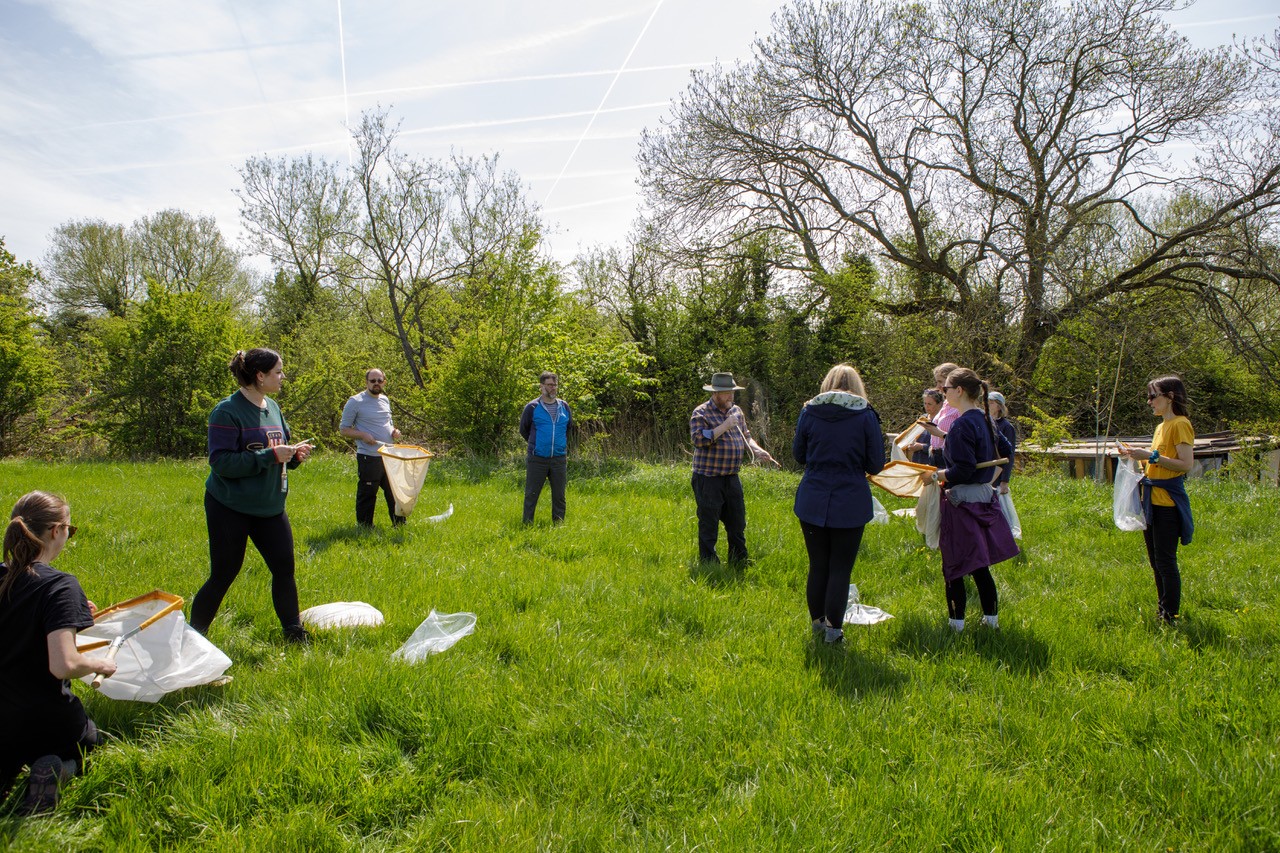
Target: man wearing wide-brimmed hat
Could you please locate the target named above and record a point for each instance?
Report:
(720, 435)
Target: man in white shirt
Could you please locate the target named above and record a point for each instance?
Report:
(366, 417)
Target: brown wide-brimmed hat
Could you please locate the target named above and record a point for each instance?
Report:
(722, 382)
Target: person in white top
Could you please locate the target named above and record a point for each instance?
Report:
(366, 417)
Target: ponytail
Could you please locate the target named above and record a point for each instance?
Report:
(986, 413)
(33, 515)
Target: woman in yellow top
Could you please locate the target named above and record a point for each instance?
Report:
(1166, 506)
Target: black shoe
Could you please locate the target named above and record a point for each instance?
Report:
(298, 636)
(47, 773)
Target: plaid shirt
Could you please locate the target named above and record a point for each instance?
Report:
(722, 456)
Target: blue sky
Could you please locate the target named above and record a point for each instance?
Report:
(115, 110)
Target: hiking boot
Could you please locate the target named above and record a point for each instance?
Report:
(47, 773)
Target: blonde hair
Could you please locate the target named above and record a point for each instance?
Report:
(844, 377)
(942, 371)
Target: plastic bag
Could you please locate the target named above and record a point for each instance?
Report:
(1126, 502)
(342, 614)
(881, 514)
(437, 632)
(929, 514)
(857, 613)
(1011, 515)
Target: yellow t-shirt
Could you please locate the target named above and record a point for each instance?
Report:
(1169, 434)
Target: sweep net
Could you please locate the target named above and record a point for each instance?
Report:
(406, 466)
(902, 478)
(910, 435)
(165, 655)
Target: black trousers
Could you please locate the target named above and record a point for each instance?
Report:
(957, 597)
(537, 471)
(229, 534)
(31, 744)
(372, 477)
(1162, 553)
(720, 500)
(832, 551)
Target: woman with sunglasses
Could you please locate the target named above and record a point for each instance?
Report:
(973, 533)
(41, 609)
(938, 425)
(1164, 499)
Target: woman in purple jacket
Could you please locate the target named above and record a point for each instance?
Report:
(973, 534)
(838, 441)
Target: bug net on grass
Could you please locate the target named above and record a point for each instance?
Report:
(158, 652)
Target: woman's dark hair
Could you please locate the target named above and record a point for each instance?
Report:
(245, 366)
(976, 388)
(933, 394)
(32, 516)
(1174, 387)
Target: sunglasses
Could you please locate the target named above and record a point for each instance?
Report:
(71, 528)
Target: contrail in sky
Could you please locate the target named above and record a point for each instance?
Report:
(612, 83)
(346, 105)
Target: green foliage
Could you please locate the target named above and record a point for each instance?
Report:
(325, 361)
(616, 695)
(505, 311)
(1046, 430)
(163, 367)
(28, 378)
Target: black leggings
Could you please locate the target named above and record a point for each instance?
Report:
(1162, 552)
(229, 533)
(957, 597)
(832, 551)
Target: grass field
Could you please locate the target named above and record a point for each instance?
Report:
(616, 695)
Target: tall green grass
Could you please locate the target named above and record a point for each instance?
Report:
(616, 695)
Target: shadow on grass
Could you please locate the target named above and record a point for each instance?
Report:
(716, 575)
(130, 721)
(846, 671)
(1017, 648)
(354, 533)
(1200, 633)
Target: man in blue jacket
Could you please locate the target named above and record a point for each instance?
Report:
(544, 424)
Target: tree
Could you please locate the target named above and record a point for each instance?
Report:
(983, 145)
(100, 268)
(397, 236)
(162, 369)
(188, 253)
(26, 366)
(92, 265)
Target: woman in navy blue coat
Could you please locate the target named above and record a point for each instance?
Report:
(839, 442)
